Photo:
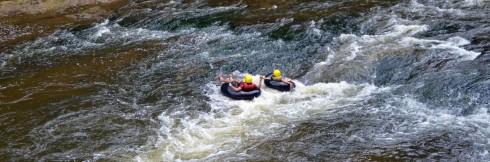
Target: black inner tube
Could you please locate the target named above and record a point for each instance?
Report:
(240, 95)
(278, 85)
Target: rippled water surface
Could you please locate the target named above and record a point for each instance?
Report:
(376, 80)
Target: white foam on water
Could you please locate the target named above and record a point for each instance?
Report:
(100, 35)
(473, 2)
(366, 50)
(362, 52)
(451, 9)
(418, 119)
(479, 122)
(379, 43)
(111, 33)
(231, 124)
(102, 28)
(453, 45)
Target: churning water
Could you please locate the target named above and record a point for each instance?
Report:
(383, 80)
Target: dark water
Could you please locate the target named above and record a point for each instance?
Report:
(376, 80)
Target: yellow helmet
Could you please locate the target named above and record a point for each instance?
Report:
(277, 73)
(248, 78)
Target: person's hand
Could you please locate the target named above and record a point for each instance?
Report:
(261, 77)
(230, 84)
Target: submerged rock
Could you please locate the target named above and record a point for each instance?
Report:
(485, 54)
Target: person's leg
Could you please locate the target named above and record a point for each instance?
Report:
(220, 78)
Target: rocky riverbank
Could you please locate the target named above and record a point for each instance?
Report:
(20, 7)
(23, 20)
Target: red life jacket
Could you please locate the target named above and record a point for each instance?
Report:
(247, 87)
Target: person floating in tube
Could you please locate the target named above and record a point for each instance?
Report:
(276, 76)
(246, 86)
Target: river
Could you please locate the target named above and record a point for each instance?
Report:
(376, 81)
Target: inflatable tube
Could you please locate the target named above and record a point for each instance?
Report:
(278, 85)
(240, 95)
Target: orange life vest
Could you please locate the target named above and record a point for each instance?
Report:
(248, 86)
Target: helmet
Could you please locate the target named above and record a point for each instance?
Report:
(248, 78)
(277, 73)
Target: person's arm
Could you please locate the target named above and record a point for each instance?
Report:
(260, 83)
(264, 78)
(235, 88)
(287, 80)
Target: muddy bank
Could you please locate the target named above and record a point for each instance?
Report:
(24, 20)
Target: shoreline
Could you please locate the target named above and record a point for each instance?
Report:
(25, 20)
(14, 8)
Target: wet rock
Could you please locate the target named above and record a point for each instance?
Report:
(485, 54)
(9, 8)
(18, 7)
(479, 44)
(458, 87)
(439, 82)
(95, 13)
(394, 70)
